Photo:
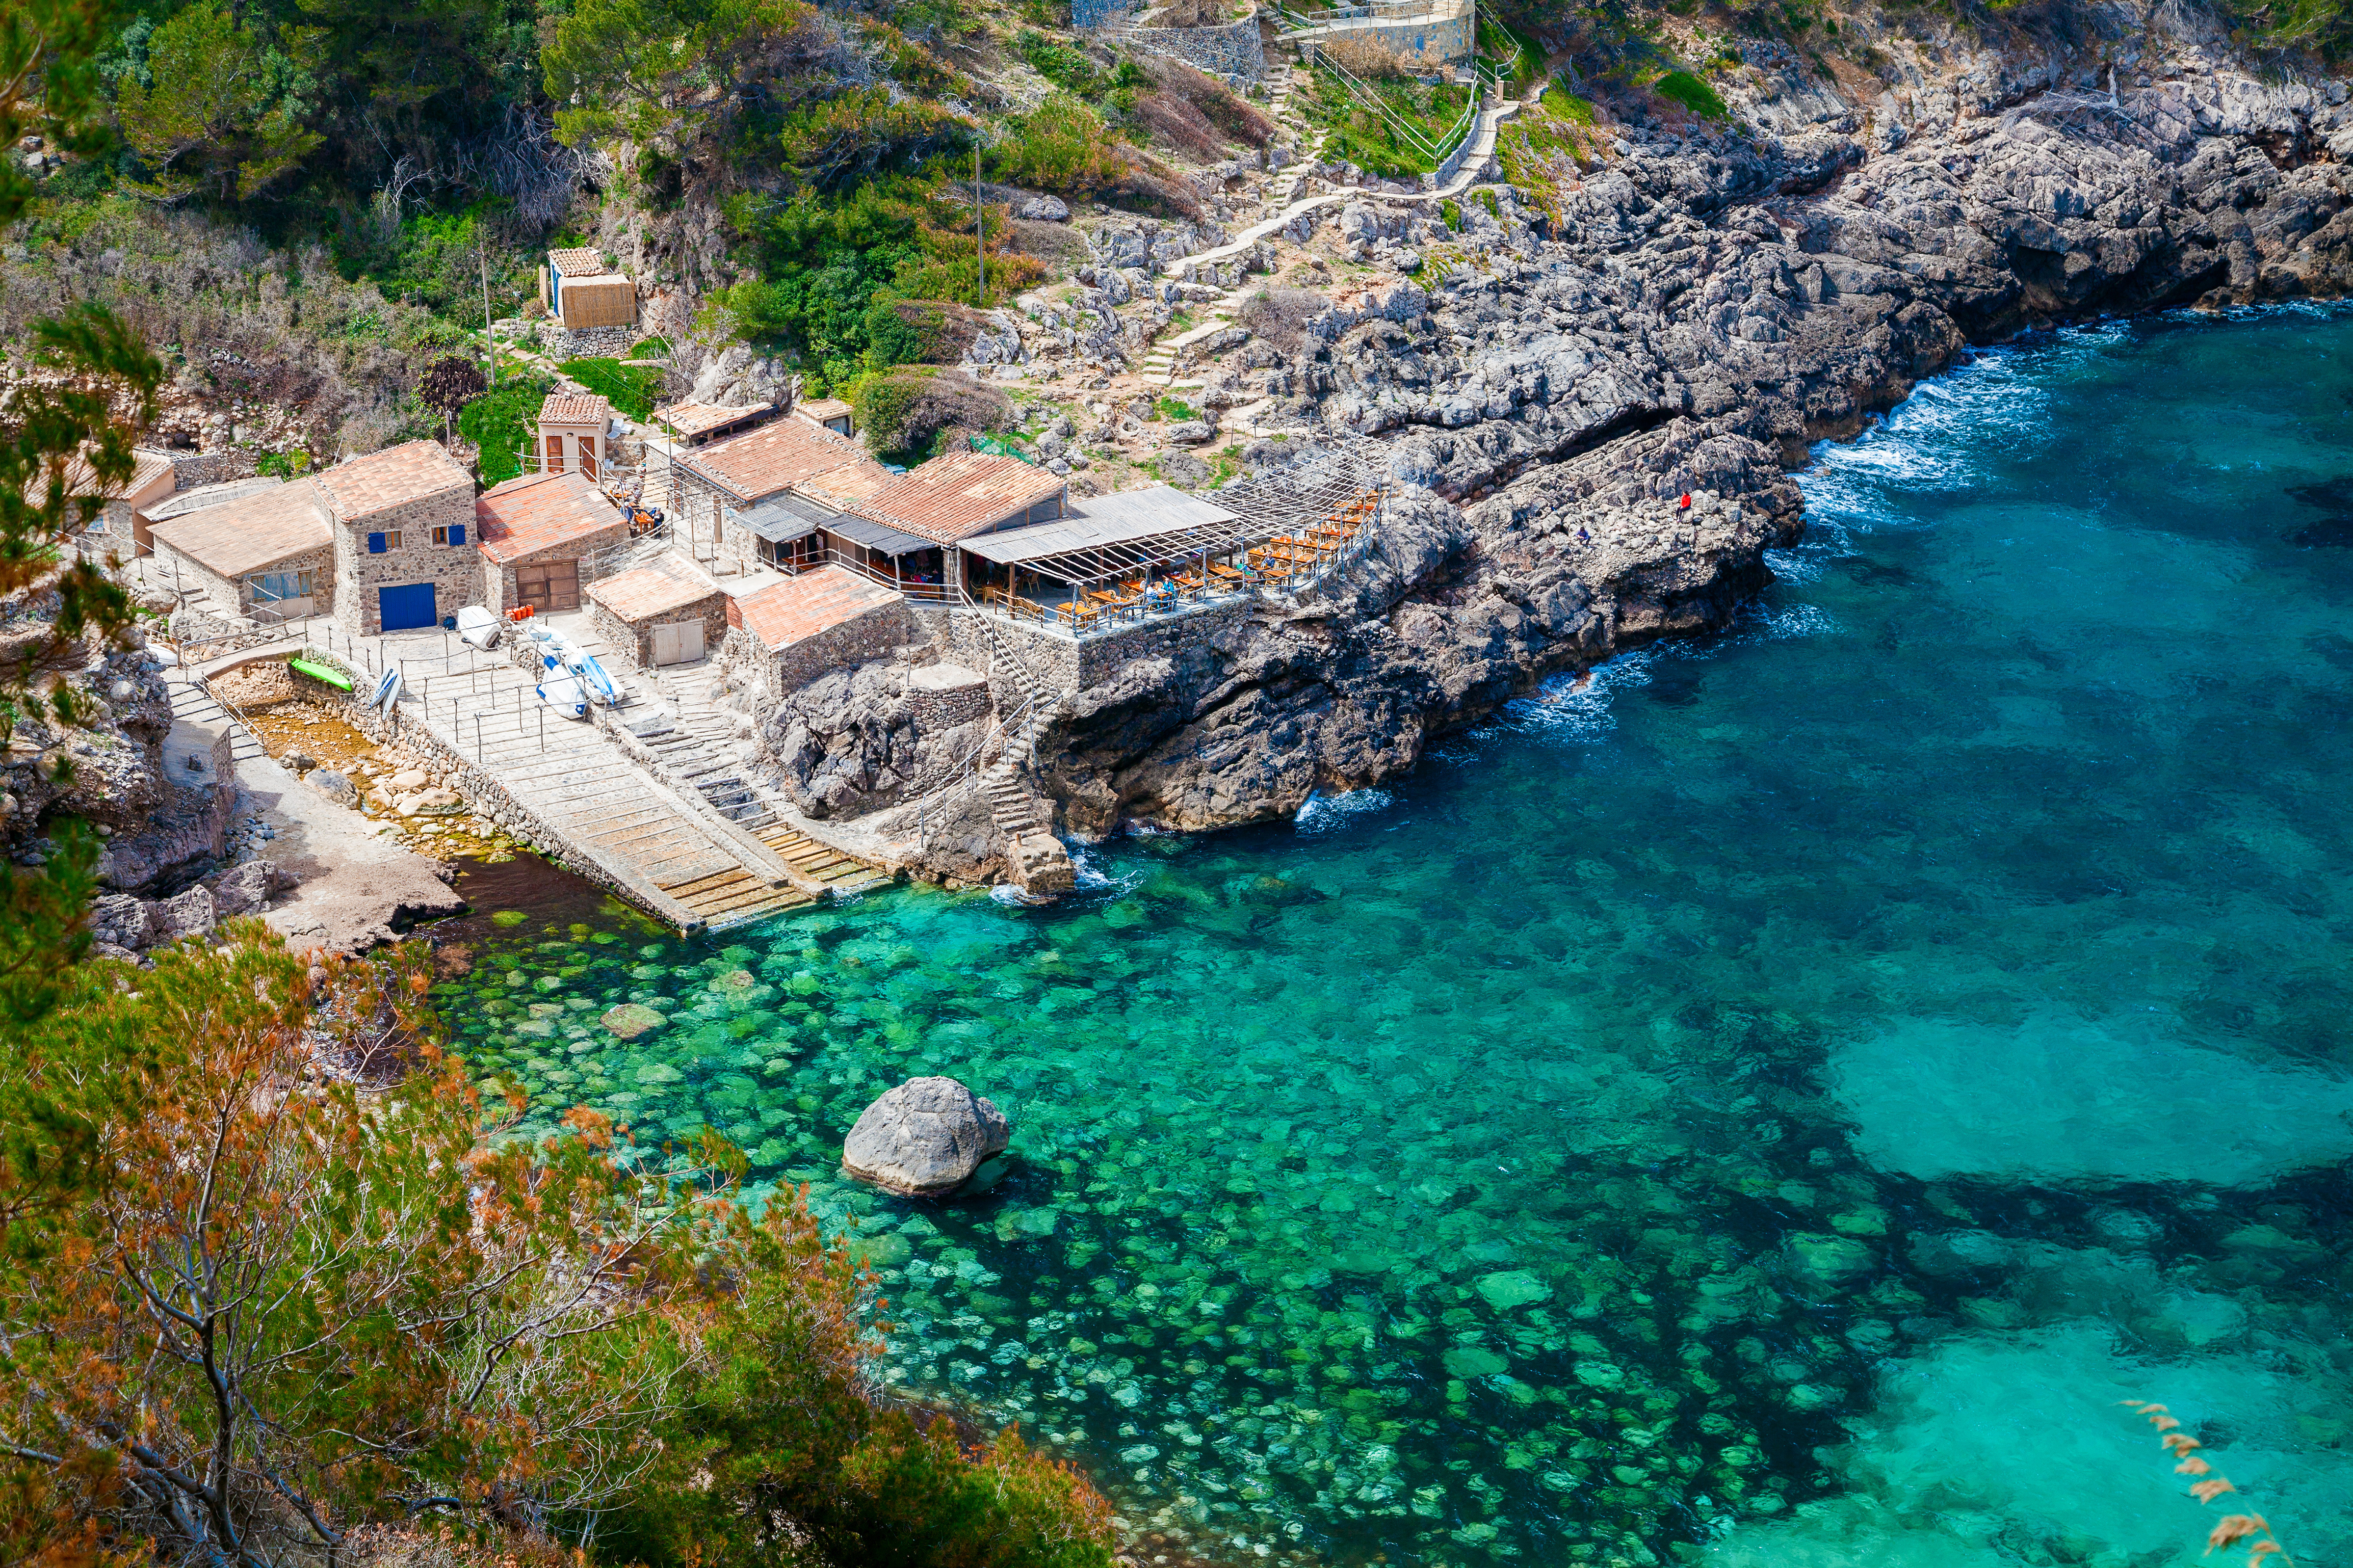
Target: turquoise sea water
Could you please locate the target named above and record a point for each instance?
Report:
(1765, 1105)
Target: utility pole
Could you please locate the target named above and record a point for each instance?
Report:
(979, 236)
(490, 343)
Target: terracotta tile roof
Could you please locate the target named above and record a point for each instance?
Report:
(760, 462)
(694, 419)
(823, 408)
(537, 510)
(959, 495)
(671, 582)
(253, 531)
(81, 480)
(398, 474)
(802, 606)
(576, 408)
(576, 263)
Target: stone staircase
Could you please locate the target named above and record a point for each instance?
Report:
(695, 744)
(191, 703)
(1035, 857)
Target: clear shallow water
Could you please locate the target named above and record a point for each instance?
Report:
(1765, 1106)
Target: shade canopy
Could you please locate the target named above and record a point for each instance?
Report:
(782, 519)
(875, 535)
(1117, 536)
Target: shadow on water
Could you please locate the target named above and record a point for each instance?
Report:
(2334, 532)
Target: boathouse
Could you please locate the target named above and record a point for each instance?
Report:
(541, 536)
(403, 518)
(789, 632)
(669, 612)
(268, 555)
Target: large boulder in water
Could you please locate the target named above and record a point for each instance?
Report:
(923, 1139)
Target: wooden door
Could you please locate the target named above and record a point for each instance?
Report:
(548, 587)
(588, 456)
(679, 643)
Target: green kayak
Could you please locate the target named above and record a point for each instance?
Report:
(334, 677)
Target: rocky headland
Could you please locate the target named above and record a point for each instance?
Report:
(1548, 385)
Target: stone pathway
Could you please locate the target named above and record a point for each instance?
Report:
(1161, 363)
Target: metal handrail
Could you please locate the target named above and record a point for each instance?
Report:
(967, 768)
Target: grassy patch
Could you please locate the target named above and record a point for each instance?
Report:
(1682, 87)
(633, 390)
(1176, 408)
(1563, 104)
(1451, 214)
(648, 348)
(1359, 135)
(1522, 61)
(504, 421)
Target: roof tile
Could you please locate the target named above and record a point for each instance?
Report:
(959, 495)
(523, 516)
(784, 613)
(671, 582)
(566, 407)
(253, 532)
(760, 462)
(393, 477)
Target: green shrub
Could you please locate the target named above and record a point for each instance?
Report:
(505, 420)
(884, 399)
(632, 389)
(283, 465)
(1684, 88)
(1451, 214)
(1486, 198)
(1062, 146)
(648, 348)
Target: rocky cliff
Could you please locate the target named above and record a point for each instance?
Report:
(1546, 385)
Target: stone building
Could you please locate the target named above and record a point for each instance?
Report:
(789, 632)
(540, 537)
(582, 293)
(572, 434)
(270, 555)
(120, 525)
(403, 518)
(828, 414)
(670, 612)
(719, 486)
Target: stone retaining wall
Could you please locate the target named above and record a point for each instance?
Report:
(481, 788)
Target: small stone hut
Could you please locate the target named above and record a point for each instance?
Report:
(270, 555)
(789, 632)
(670, 612)
(539, 537)
(572, 428)
(582, 293)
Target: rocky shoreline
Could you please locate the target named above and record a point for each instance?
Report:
(1591, 413)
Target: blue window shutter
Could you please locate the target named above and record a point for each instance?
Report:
(458, 534)
(376, 544)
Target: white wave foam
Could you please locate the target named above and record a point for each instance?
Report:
(1329, 812)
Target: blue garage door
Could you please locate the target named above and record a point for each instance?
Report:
(407, 607)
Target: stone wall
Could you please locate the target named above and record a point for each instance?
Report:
(1440, 36)
(455, 571)
(1071, 665)
(1233, 51)
(877, 634)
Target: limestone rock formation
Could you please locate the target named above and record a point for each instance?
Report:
(923, 1139)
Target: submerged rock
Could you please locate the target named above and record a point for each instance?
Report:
(631, 1019)
(923, 1139)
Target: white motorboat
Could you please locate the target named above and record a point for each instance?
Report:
(560, 692)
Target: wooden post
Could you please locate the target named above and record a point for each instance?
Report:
(490, 343)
